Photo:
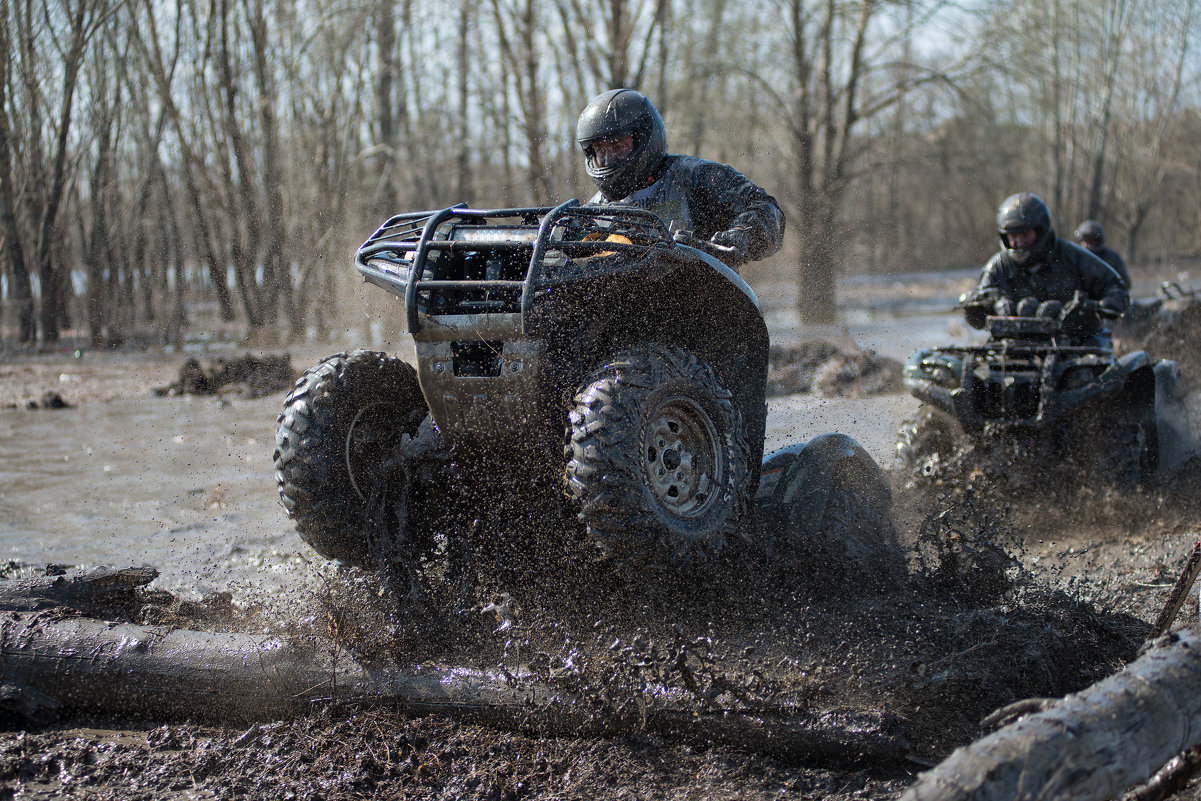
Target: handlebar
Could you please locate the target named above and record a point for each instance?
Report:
(686, 237)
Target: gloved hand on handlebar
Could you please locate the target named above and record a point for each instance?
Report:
(731, 255)
(1079, 317)
(977, 305)
(735, 239)
(1108, 311)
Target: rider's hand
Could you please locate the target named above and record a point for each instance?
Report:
(977, 304)
(736, 240)
(1079, 317)
(1109, 312)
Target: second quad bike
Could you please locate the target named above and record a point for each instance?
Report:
(1048, 401)
(579, 366)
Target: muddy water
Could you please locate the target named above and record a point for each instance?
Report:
(184, 484)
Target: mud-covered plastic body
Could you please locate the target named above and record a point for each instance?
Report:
(511, 309)
(1029, 381)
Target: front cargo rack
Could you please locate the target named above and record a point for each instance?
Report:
(461, 260)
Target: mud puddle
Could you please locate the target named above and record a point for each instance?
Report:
(183, 484)
(971, 630)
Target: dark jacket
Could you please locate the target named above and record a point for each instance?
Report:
(1054, 275)
(706, 197)
(1114, 260)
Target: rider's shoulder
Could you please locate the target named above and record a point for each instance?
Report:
(1071, 252)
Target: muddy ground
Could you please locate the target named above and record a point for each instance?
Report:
(995, 602)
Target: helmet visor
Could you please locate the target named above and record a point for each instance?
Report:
(1021, 240)
(610, 151)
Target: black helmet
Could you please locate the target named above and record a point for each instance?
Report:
(1025, 212)
(610, 116)
(1090, 229)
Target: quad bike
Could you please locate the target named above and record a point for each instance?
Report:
(1045, 402)
(1149, 313)
(579, 368)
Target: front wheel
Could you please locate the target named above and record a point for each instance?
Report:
(657, 457)
(335, 448)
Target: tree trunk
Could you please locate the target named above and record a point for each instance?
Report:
(98, 299)
(277, 277)
(96, 592)
(22, 288)
(52, 277)
(54, 662)
(816, 272)
(1089, 746)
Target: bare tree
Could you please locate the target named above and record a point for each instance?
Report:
(836, 89)
(518, 25)
(22, 288)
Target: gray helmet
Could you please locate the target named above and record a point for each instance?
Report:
(1090, 229)
(611, 115)
(1025, 212)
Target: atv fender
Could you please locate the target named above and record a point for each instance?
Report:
(798, 480)
(1122, 376)
(1129, 362)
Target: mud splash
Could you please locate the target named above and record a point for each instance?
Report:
(970, 630)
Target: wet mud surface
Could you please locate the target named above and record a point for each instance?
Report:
(1000, 600)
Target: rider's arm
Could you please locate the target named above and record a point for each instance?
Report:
(731, 210)
(978, 303)
(1103, 284)
(1114, 260)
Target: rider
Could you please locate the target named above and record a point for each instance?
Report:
(1034, 263)
(1091, 237)
(625, 153)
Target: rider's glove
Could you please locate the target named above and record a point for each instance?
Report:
(1079, 317)
(977, 305)
(735, 239)
(1107, 310)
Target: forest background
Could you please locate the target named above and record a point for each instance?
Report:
(163, 157)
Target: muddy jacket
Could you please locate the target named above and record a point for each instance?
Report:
(1055, 275)
(1111, 257)
(706, 197)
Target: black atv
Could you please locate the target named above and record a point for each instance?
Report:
(1035, 396)
(577, 365)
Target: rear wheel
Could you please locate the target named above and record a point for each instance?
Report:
(657, 457)
(336, 451)
(830, 521)
(857, 533)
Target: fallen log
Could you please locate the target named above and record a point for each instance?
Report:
(1089, 746)
(166, 673)
(97, 591)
